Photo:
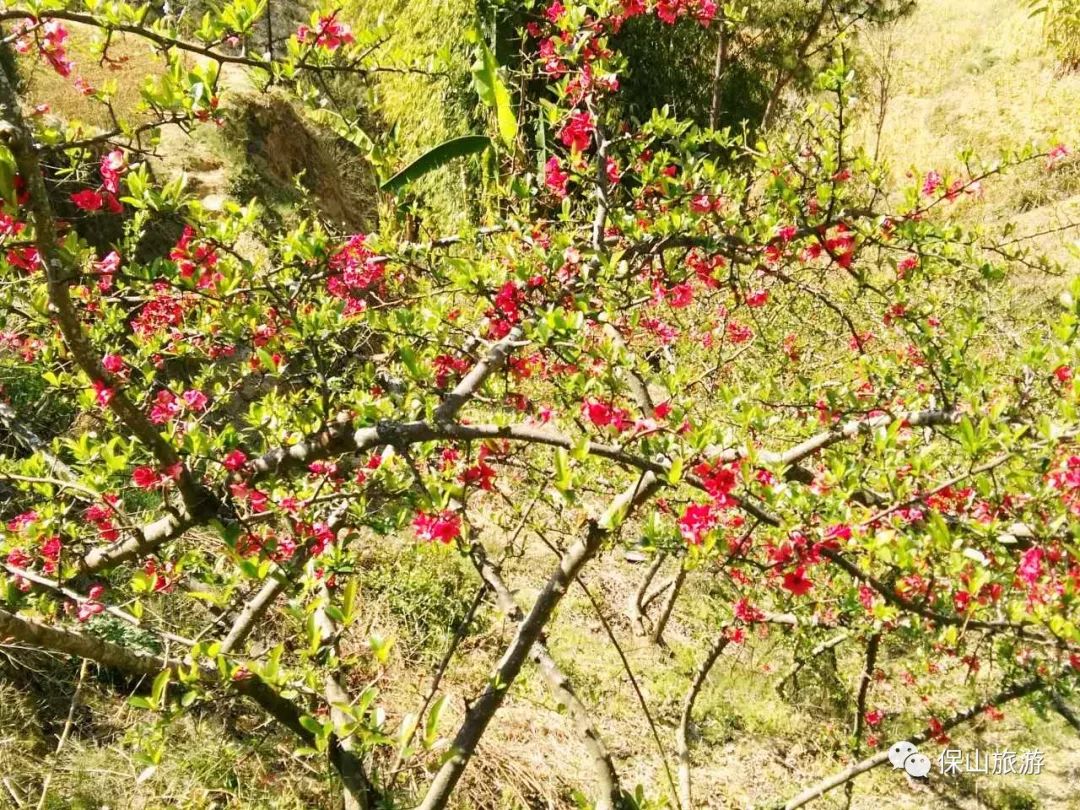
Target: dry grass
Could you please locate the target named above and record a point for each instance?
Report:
(131, 60)
(973, 75)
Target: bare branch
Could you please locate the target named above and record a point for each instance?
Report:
(1018, 690)
(609, 793)
(480, 712)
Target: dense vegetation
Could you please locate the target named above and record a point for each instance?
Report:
(513, 404)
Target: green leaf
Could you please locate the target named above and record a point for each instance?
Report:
(675, 473)
(493, 93)
(431, 724)
(437, 157)
(564, 478)
(161, 683)
(343, 128)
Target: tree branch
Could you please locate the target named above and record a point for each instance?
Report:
(1018, 690)
(609, 794)
(479, 714)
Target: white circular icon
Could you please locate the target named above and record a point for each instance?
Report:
(917, 765)
(899, 752)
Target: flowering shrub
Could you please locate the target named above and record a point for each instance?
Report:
(783, 376)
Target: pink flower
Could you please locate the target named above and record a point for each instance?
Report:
(696, 522)
(1031, 567)
(555, 178)
(1056, 155)
(444, 527)
(113, 363)
(112, 166)
(554, 11)
(195, 400)
(89, 609)
(165, 407)
(20, 522)
(874, 717)
(706, 12)
(932, 182)
(578, 131)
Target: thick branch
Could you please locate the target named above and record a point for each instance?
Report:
(479, 713)
(465, 390)
(137, 663)
(609, 793)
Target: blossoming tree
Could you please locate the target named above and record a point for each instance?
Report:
(752, 359)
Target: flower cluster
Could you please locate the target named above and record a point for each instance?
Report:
(329, 33)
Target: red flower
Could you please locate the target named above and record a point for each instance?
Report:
(796, 582)
(701, 204)
(113, 363)
(578, 131)
(145, 477)
(746, 612)
(481, 475)
(103, 394)
(329, 33)
(234, 460)
(555, 178)
(696, 522)
(444, 527)
(874, 718)
(680, 296)
(937, 731)
(88, 200)
(611, 169)
(757, 298)
(597, 412)
(839, 531)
